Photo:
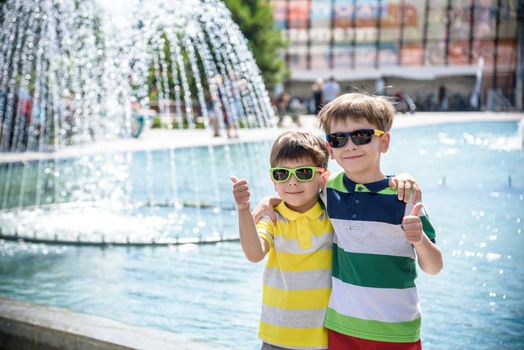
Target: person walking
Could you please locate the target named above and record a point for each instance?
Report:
(442, 98)
(317, 94)
(282, 107)
(330, 91)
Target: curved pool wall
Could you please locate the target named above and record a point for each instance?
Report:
(472, 175)
(162, 197)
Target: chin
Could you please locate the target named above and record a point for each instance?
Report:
(294, 203)
(352, 166)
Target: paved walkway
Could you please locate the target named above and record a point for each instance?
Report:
(162, 139)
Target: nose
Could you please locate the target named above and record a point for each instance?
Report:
(349, 144)
(292, 181)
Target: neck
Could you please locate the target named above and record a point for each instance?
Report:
(365, 177)
(304, 207)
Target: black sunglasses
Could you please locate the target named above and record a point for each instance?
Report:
(358, 137)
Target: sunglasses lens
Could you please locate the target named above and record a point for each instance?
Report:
(280, 174)
(362, 137)
(304, 174)
(337, 139)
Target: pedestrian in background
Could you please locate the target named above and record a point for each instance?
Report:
(330, 91)
(317, 94)
(282, 106)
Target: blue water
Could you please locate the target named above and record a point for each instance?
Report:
(212, 293)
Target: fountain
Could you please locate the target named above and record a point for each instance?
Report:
(521, 133)
(74, 74)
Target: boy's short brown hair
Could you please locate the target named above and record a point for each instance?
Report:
(293, 145)
(377, 110)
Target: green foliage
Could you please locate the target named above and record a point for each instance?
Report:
(157, 123)
(255, 19)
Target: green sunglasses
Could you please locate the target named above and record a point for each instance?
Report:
(302, 173)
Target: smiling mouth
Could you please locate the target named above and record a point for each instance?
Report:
(353, 157)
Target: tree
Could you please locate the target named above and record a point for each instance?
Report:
(255, 19)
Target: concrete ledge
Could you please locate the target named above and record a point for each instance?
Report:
(29, 326)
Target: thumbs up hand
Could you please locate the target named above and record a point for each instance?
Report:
(240, 192)
(412, 225)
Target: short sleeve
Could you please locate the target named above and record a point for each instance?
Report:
(427, 227)
(265, 230)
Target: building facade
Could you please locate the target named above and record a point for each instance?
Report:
(411, 44)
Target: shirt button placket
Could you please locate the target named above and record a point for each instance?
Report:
(359, 189)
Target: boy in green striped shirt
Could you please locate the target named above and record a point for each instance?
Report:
(374, 301)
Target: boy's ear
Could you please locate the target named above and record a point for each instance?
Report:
(384, 142)
(274, 183)
(324, 178)
(330, 150)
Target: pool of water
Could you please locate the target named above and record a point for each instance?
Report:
(175, 193)
(473, 181)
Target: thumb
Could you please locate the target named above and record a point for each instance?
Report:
(233, 179)
(416, 209)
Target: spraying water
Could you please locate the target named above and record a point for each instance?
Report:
(79, 72)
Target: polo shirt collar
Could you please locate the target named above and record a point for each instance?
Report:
(312, 214)
(373, 187)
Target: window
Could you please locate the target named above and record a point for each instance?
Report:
(298, 14)
(365, 55)
(279, 13)
(485, 19)
(388, 54)
(437, 20)
(320, 57)
(411, 54)
(342, 56)
(343, 13)
(297, 57)
(321, 13)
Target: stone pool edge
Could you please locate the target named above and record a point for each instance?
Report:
(25, 325)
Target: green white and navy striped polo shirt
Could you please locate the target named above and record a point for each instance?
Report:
(374, 294)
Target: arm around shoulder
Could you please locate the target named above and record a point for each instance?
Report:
(266, 207)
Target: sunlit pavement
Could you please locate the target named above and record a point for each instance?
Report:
(153, 139)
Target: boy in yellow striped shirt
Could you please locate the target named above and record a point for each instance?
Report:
(297, 277)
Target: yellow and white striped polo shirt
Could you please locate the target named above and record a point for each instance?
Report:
(297, 278)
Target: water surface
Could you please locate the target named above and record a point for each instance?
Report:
(212, 293)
